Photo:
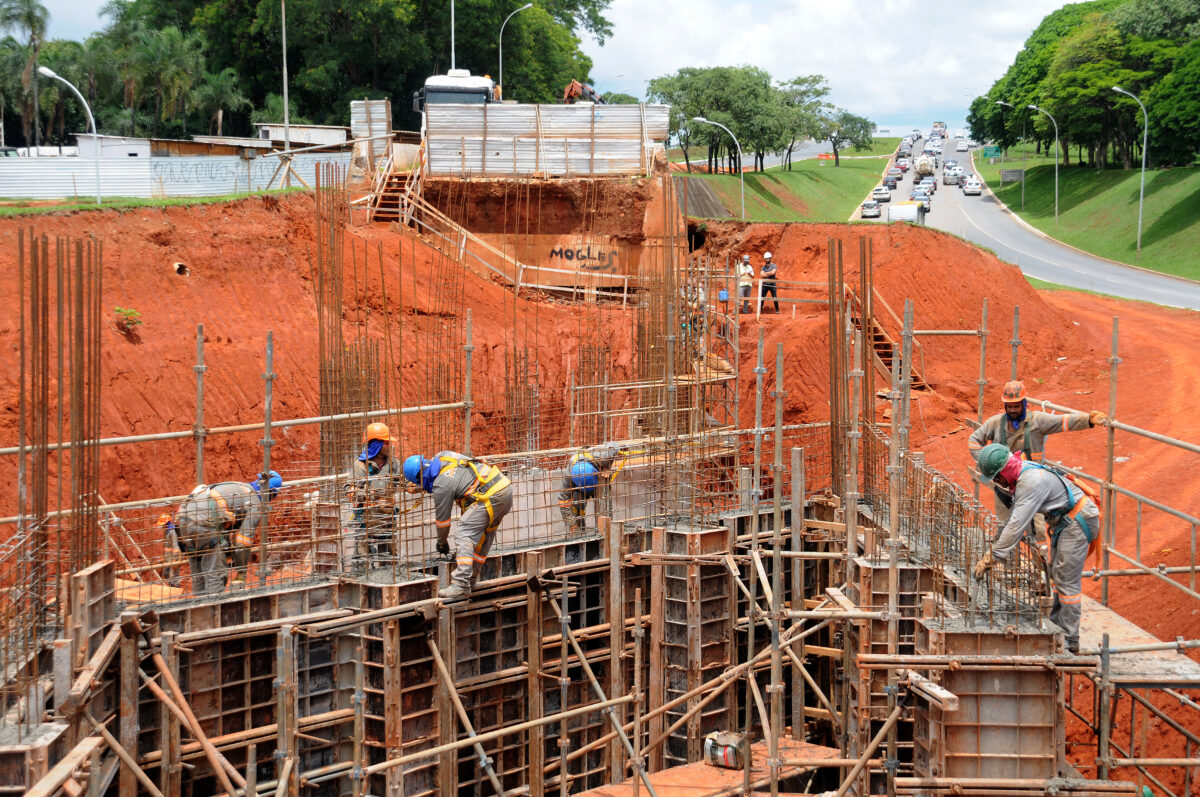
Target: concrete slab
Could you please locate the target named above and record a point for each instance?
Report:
(1148, 668)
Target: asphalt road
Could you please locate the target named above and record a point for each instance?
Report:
(982, 220)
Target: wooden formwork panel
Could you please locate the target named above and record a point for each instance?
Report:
(1009, 723)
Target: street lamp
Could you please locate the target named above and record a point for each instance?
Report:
(1024, 152)
(1003, 148)
(1043, 110)
(1145, 137)
(46, 71)
(741, 172)
(502, 24)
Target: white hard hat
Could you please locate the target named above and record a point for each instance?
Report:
(767, 255)
(746, 258)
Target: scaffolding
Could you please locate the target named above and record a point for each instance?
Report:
(803, 586)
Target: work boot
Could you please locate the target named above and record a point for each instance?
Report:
(454, 592)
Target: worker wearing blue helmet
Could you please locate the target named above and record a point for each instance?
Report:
(483, 495)
(219, 522)
(587, 475)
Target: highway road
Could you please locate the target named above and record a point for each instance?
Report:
(982, 220)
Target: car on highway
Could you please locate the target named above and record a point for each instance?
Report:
(890, 181)
(950, 177)
(972, 187)
(950, 163)
(902, 164)
(961, 146)
(922, 195)
(896, 172)
(881, 194)
(929, 184)
(870, 210)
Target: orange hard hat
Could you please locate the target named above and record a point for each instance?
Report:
(1014, 392)
(163, 520)
(377, 431)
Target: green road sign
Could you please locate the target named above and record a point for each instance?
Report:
(991, 152)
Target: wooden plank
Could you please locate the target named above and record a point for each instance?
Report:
(171, 775)
(85, 682)
(695, 669)
(128, 708)
(657, 683)
(616, 635)
(447, 722)
(536, 739)
(65, 768)
(393, 730)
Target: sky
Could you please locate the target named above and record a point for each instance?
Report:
(900, 63)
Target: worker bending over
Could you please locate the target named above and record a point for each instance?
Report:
(374, 479)
(1071, 516)
(219, 520)
(588, 472)
(1024, 432)
(484, 496)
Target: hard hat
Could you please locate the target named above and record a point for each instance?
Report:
(412, 468)
(745, 258)
(766, 255)
(377, 431)
(274, 481)
(992, 460)
(584, 474)
(163, 520)
(1013, 392)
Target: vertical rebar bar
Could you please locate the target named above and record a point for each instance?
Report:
(1015, 342)
(776, 688)
(799, 502)
(755, 498)
(1108, 535)
(264, 526)
(982, 381)
(468, 403)
(198, 431)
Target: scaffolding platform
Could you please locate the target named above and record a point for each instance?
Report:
(1143, 669)
(695, 780)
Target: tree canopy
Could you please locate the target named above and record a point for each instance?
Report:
(174, 67)
(1069, 66)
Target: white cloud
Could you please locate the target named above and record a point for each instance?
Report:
(885, 59)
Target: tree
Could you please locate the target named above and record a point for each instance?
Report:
(841, 127)
(29, 17)
(1178, 20)
(219, 93)
(619, 98)
(803, 101)
(1174, 109)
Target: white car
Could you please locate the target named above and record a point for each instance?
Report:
(928, 183)
(972, 188)
(961, 146)
(870, 209)
(881, 194)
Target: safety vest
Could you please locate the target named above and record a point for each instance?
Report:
(489, 480)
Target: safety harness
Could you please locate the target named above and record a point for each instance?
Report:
(489, 480)
(1076, 499)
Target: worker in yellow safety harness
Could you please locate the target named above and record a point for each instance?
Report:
(588, 474)
(484, 496)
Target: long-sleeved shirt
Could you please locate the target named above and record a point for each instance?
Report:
(454, 484)
(745, 275)
(225, 507)
(1030, 434)
(1037, 490)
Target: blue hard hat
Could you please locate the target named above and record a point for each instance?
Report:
(412, 468)
(274, 482)
(584, 474)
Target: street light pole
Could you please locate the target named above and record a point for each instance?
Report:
(502, 24)
(46, 71)
(287, 131)
(741, 171)
(1002, 147)
(1145, 140)
(1053, 122)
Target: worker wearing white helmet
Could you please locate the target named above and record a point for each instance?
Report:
(769, 271)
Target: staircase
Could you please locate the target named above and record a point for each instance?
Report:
(393, 190)
(884, 348)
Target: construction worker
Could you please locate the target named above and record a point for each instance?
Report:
(220, 520)
(769, 272)
(484, 496)
(1024, 432)
(374, 480)
(1072, 517)
(745, 277)
(588, 473)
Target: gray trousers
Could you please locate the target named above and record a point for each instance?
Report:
(1067, 555)
(209, 570)
(572, 505)
(475, 533)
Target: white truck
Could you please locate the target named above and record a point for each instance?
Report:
(907, 211)
(923, 166)
(457, 86)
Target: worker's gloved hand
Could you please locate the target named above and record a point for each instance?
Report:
(1096, 418)
(443, 548)
(983, 565)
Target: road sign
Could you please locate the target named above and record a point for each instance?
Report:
(1012, 175)
(991, 152)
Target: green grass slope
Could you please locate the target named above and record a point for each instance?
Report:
(1098, 210)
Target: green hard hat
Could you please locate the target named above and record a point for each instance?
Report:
(992, 460)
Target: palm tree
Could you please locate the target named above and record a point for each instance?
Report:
(219, 93)
(169, 60)
(31, 18)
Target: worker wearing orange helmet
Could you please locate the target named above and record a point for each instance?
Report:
(374, 479)
(1024, 433)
